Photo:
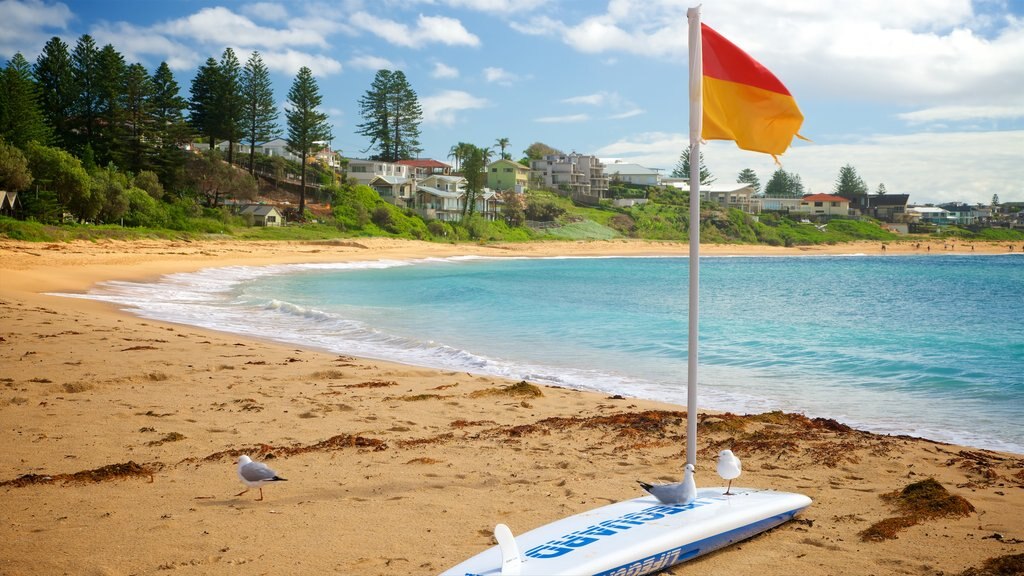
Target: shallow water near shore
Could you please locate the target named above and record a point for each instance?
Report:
(929, 346)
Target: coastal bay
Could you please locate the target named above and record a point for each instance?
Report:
(122, 433)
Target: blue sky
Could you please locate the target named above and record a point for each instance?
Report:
(925, 96)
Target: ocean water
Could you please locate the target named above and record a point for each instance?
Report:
(930, 346)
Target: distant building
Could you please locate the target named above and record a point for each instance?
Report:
(508, 175)
(737, 195)
(10, 205)
(422, 168)
(262, 214)
(931, 215)
(824, 205)
(887, 207)
(632, 174)
(576, 174)
(961, 213)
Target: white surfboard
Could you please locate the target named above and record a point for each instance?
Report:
(635, 537)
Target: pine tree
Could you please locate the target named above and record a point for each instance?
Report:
(747, 176)
(21, 120)
(139, 125)
(782, 184)
(392, 115)
(229, 103)
(202, 105)
(881, 189)
(109, 134)
(260, 117)
(306, 125)
(84, 72)
(682, 169)
(849, 185)
(55, 79)
(170, 131)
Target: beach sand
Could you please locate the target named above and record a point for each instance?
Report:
(120, 436)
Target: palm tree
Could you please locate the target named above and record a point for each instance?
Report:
(502, 143)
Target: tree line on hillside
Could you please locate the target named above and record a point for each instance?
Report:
(782, 184)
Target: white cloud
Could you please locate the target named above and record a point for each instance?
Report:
(595, 99)
(931, 167)
(218, 25)
(443, 108)
(498, 6)
(136, 44)
(289, 62)
(500, 76)
(571, 118)
(627, 114)
(267, 11)
(905, 52)
(961, 113)
(442, 70)
(25, 26)
(368, 62)
(428, 29)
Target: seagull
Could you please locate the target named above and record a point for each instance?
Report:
(255, 475)
(728, 467)
(679, 493)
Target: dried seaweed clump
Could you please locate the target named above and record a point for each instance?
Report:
(101, 474)
(521, 388)
(1009, 565)
(917, 502)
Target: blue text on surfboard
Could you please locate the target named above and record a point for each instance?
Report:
(580, 538)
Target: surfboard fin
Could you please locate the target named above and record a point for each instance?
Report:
(511, 561)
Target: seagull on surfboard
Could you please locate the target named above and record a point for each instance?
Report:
(729, 467)
(678, 493)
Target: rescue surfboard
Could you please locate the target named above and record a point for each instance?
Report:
(634, 537)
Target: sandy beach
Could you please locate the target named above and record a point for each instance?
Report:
(120, 437)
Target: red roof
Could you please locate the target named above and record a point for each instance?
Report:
(824, 198)
(426, 163)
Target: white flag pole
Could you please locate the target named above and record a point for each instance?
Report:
(696, 114)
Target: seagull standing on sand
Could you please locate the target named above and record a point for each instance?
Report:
(679, 493)
(255, 475)
(728, 467)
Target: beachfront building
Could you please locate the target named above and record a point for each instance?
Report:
(962, 214)
(578, 175)
(262, 215)
(737, 195)
(775, 204)
(826, 205)
(423, 168)
(887, 207)
(931, 215)
(508, 175)
(444, 198)
(636, 174)
(10, 205)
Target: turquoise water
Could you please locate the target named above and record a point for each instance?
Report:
(930, 346)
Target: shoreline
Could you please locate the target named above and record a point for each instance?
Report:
(394, 468)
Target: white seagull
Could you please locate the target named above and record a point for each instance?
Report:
(255, 475)
(678, 493)
(728, 467)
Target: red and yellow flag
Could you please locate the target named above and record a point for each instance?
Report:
(743, 100)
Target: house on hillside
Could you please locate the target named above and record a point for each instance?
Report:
(887, 207)
(930, 215)
(395, 189)
(575, 174)
(10, 205)
(823, 205)
(262, 215)
(508, 175)
(632, 174)
(364, 171)
(963, 214)
(423, 168)
(736, 195)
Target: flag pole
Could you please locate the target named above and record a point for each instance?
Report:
(696, 101)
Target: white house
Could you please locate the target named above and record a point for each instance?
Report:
(632, 174)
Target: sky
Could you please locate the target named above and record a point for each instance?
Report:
(923, 96)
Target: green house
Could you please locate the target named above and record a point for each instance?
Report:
(507, 175)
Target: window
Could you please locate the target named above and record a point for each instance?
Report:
(818, 204)
(494, 170)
